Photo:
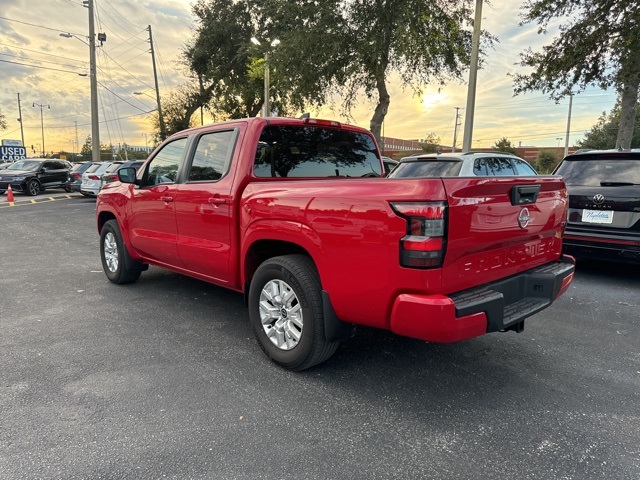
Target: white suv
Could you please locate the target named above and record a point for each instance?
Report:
(470, 164)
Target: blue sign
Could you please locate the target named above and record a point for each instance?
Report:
(11, 154)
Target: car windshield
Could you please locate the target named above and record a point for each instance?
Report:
(591, 172)
(426, 168)
(27, 165)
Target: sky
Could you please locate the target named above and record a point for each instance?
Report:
(45, 69)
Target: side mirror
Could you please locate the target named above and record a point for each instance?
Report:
(127, 175)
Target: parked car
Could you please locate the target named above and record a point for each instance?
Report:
(34, 175)
(74, 180)
(604, 204)
(470, 164)
(111, 173)
(389, 164)
(4, 165)
(91, 181)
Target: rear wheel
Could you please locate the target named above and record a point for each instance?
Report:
(285, 311)
(116, 263)
(33, 188)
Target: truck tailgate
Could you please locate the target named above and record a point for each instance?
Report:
(498, 227)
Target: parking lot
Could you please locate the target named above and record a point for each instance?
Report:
(163, 379)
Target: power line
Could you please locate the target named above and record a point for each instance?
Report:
(42, 26)
(125, 101)
(141, 81)
(42, 53)
(44, 68)
(34, 59)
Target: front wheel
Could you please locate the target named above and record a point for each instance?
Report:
(33, 188)
(285, 311)
(115, 262)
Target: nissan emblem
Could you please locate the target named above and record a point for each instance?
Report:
(524, 218)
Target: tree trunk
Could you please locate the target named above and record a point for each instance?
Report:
(628, 103)
(381, 109)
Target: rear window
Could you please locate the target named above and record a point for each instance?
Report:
(590, 172)
(93, 168)
(113, 167)
(295, 152)
(427, 168)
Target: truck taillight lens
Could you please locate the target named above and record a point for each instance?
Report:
(424, 243)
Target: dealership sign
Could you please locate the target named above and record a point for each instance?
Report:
(11, 154)
(12, 143)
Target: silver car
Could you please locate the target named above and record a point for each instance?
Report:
(91, 179)
(470, 164)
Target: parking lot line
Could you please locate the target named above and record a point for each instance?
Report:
(31, 201)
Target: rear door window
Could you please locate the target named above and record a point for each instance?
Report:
(312, 152)
(499, 167)
(212, 157)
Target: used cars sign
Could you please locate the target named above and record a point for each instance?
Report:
(11, 154)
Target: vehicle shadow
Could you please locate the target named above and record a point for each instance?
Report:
(626, 273)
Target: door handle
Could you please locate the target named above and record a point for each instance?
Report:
(218, 201)
(166, 199)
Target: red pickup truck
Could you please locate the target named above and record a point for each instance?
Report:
(298, 216)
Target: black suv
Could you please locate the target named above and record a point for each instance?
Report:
(33, 175)
(604, 204)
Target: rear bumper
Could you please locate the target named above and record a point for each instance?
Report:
(496, 306)
(602, 246)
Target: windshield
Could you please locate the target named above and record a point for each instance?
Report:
(27, 165)
(427, 168)
(591, 172)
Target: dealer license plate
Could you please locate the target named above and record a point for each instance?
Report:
(597, 216)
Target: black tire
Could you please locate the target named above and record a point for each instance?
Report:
(299, 273)
(125, 270)
(33, 188)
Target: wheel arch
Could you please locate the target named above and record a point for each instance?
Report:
(290, 238)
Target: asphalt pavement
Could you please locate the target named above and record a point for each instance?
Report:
(163, 379)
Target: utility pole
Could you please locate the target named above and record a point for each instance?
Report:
(95, 124)
(455, 129)
(566, 142)
(163, 131)
(473, 77)
(42, 124)
(77, 146)
(20, 120)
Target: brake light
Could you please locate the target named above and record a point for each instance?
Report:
(317, 121)
(94, 177)
(76, 175)
(424, 243)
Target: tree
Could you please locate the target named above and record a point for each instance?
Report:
(431, 143)
(504, 145)
(3, 122)
(604, 133)
(597, 45)
(546, 161)
(106, 152)
(327, 48)
(424, 41)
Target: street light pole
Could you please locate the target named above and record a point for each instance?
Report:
(20, 120)
(42, 124)
(266, 112)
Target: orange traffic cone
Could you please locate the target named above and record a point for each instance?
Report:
(9, 194)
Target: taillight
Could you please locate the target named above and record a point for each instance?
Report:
(424, 243)
(94, 177)
(76, 175)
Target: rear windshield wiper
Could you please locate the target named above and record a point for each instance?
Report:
(618, 184)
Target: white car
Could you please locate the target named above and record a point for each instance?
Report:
(91, 179)
(469, 164)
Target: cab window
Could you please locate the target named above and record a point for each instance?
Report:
(212, 157)
(164, 166)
